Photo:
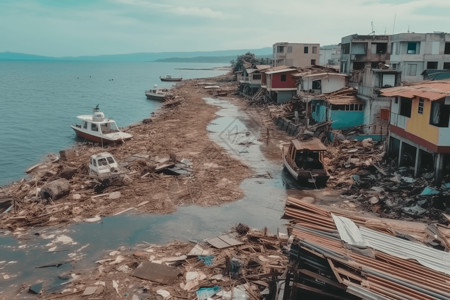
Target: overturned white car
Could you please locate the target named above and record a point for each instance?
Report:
(103, 166)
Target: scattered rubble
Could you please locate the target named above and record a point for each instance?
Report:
(246, 265)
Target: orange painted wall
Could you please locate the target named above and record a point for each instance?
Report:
(419, 124)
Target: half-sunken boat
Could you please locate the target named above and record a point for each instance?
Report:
(159, 94)
(170, 78)
(97, 128)
(304, 161)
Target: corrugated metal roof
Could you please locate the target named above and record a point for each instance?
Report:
(313, 144)
(323, 75)
(365, 237)
(281, 71)
(344, 100)
(431, 90)
(262, 67)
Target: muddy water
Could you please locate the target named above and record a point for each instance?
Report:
(66, 249)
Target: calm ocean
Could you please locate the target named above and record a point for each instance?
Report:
(40, 100)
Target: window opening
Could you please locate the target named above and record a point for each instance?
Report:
(420, 109)
(405, 107)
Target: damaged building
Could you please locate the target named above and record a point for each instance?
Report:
(419, 127)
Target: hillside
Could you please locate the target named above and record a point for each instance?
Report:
(197, 56)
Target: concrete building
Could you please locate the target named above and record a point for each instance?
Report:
(413, 53)
(295, 54)
(359, 51)
(330, 56)
(419, 134)
(279, 83)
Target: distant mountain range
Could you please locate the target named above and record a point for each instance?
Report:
(224, 56)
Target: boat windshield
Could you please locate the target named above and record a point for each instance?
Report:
(109, 127)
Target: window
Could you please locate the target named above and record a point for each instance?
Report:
(280, 49)
(94, 127)
(432, 65)
(388, 80)
(305, 49)
(359, 48)
(347, 107)
(405, 107)
(447, 48)
(420, 109)
(358, 65)
(314, 49)
(413, 47)
(412, 69)
(289, 49)
(110, 160)
(317, 84)
(345, 48)
(447, 66)
(85, 125)
(256, 76)
(440, 114)
(283, 77)
(313, 62)
(381, 48)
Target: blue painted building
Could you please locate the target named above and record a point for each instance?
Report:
(343, 111)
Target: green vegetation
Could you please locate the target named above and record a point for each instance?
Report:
(248, 57)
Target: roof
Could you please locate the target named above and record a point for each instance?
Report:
(344, 100)
(322, 75)
(313, 144)
(431, 90)
(436, 74)
(262, 67)
(279, 69)
(88, 118)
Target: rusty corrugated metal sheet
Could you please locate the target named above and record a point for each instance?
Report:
(313, 144)
(344, 100)
(382, 270)
(431, 90)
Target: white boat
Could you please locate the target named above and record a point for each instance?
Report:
(99, 129)
(160, 94)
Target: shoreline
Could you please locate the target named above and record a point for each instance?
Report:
(178, 130)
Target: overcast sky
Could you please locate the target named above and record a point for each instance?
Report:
(94, 27)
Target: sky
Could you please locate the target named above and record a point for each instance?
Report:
(95, 27)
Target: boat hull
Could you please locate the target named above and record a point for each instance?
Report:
(101, 139)
(171, 79)
(155, 97)
(311, 177)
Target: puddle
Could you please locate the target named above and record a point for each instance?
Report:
(262, 206)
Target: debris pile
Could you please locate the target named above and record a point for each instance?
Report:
(169, 162)
(342, 256)
(243, 264)
(360, 172)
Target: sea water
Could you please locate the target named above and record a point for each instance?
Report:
(40, 100)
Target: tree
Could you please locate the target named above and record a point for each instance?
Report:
(240, 60)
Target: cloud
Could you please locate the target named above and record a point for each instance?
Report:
(175, 8)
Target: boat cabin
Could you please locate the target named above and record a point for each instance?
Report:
(304, 161)
(100, 124)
